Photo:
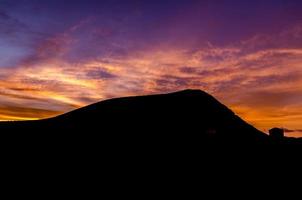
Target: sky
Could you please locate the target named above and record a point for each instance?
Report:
(59, 55)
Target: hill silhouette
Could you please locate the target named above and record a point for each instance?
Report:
(186, 117)
(171, 139)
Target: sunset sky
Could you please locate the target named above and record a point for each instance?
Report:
(59, 55)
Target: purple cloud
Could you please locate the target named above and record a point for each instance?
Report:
(100, 74)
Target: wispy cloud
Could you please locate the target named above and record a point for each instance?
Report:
(291, 131)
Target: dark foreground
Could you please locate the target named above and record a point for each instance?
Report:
(189, 118)
(147, 145)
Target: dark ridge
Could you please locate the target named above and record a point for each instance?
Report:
(184, 117)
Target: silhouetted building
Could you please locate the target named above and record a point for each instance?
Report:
(276, 133)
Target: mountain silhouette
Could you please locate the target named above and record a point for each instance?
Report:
(184, 117)
(176, 140)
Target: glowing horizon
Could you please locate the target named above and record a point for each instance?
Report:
(56, 58)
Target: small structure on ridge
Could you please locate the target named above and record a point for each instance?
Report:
(276, 133)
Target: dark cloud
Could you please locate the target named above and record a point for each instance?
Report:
(100, 74)
(292, 130)
(22, 89)
(87, 99)
(188, 70)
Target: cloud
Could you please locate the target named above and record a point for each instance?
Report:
(24, 113)
(188, 70)
(100, 74)
(291, 131)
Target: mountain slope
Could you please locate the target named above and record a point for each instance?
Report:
(183, 115)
